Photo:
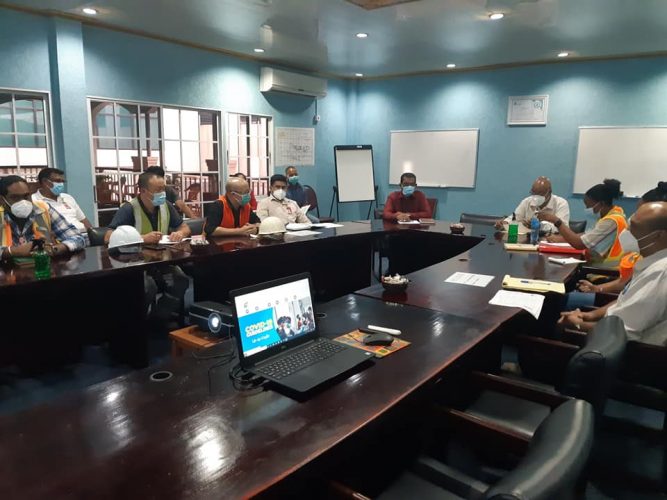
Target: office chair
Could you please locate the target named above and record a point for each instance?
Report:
(578, 226)
(485, 220)
(311, 199)
(196, 225)
(433, 204)
(96, 236)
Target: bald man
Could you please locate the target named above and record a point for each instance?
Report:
(541, 199)
(231, 214)
(643, 304)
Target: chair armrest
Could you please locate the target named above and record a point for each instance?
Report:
(576, 337)
(339, 490)
(602, 299)
(560, 352)
(518, 388)
(584, 270)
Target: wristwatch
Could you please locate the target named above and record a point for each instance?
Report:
(558, 223)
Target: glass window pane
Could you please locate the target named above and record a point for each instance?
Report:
(150, 122)
(210, 191)
(170, 123)
(189, 125)
(32, 141)
(29, 118)
(28, 102)
(254, 167)
(192, 187)
(7, 140)
(243, 145)
(102, 117)
(190, 156)
(7, 157)
(243, 125)
(264, 167)
(152, 154)
(254, 146)
(208, 156)
(208, 126)
(6, 118)
(172, 155)
(232, 125)
(128, 152)
(127, 124)
(128, 186)
(32, 157)
(106, 158)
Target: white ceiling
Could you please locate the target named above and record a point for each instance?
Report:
(425, 35)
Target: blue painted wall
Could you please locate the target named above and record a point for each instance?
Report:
(624, 92)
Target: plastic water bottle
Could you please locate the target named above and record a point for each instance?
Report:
(513, 230)
(42, 260)
(534, 230)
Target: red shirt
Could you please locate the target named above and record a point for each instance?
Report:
(416, 205)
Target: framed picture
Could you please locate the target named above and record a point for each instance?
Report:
(527, 110)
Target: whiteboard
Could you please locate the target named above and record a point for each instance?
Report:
(439, 158)
(354, 173)
(636, 156)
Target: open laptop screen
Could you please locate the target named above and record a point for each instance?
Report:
(274, 315)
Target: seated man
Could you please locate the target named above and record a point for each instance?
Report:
(408, 203)
(172, 195)
(24, 220)
(541, 199)
(295, 190)
(231, 214)
(643, 304)
(277, 205)
(253, 200)
(150, 213)
(51, 191)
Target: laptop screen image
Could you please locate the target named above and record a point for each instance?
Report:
(274, 315)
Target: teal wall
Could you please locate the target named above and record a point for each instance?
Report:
(74, 61)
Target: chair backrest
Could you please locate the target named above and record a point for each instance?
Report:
(578, 226)
(196, 225)
(433, 203)
(486, 220)
(96, 236)
(377, 213)
(590, 373)
(556, 457)
(311, 198)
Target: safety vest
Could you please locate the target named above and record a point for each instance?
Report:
(615, 253)
(41, 225)
(228, 216)
(143, 223)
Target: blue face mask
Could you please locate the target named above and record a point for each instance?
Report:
(245, 199)
(159, 198)
(57, 188)
(408, 190)
(294, 180)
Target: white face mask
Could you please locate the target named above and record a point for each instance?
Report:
(537, 201)
(631, 244)
(279, 194)
(22, 209)
(591, 211)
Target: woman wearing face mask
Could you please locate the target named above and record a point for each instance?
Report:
(602, 241)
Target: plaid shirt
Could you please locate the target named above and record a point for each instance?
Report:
(62, 230)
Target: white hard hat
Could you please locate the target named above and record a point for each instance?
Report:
(271, 225)
(126, 239)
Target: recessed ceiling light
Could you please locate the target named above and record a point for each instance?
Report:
(90, 11)
(451, 65)
(259, 51)
(358, 75)
(563, 54)
(496, 16)
(362, 35)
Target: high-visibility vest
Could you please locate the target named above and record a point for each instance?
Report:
(143, 223)
(615, 252)
(41, 225)
(228, 216)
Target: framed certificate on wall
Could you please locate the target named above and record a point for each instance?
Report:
(527, 110)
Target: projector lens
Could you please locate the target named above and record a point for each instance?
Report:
(214, 322)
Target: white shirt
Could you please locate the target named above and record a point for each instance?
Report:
(643, 304)
(286, 210)
(66, 206)
(556, 205)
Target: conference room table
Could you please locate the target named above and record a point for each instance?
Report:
(195, 436)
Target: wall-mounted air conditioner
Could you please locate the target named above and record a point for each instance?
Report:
(275, 80)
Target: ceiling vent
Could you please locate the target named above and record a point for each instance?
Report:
(275, 80)
(377, 4)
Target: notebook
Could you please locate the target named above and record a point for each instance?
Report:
(530, 285)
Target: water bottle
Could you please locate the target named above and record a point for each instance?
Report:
(42, 260)
(513, 230)
(534, 230)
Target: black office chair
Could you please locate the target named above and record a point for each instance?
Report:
(578, 226)
(485, 220)
(96, 236)
(311, 199)
(196, 225)
(556, 457)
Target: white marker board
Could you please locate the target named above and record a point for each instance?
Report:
(439, 158)
(354, 173)
(636, 156)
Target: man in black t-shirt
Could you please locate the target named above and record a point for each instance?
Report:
(172, 195)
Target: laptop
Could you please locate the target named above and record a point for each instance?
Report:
(277, 336)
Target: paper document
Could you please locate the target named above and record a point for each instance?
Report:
(530, 302)
(166, 241)
(298, 226)
(304, 209)
(427, 221)
(529, 285)
(520, 247)
(408, 222)
(566, 260)
(555, 245)
(326, 225)
(304, 233)
(480, 280)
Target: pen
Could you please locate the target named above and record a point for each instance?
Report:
(535, 282)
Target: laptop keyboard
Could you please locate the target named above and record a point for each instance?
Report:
(292, 363)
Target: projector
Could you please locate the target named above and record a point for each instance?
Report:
(212, 317)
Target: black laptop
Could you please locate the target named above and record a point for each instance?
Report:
(277, 337)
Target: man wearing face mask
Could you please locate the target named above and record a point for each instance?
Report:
(295, 190)
(643, 304)
(277, 205)
(51, 191)
(24, 221)
(541, 199)
(231, 215)
(150, 213)
(408, 203)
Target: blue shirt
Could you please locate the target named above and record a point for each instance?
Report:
(296, 193)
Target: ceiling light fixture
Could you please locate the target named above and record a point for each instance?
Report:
(89, 10)
(358, 75)
(496, 16)
(362, 35)
(563, 54)
(259, 51)
(451, 65)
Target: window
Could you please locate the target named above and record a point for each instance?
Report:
(24, 134)
(248, 149)
(130, 137)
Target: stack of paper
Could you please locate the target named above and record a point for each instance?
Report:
(530, 302)
(408, 222)
(566, 260)
(480, 280)
(522, 247)
(326, 225)
(303, 233)
(529, 285)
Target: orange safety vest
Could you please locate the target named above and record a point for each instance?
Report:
(616, 251)
(41, 225)
(228, 216)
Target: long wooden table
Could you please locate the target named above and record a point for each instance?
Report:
(195, 436)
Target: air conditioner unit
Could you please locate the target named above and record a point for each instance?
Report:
(275, 80)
